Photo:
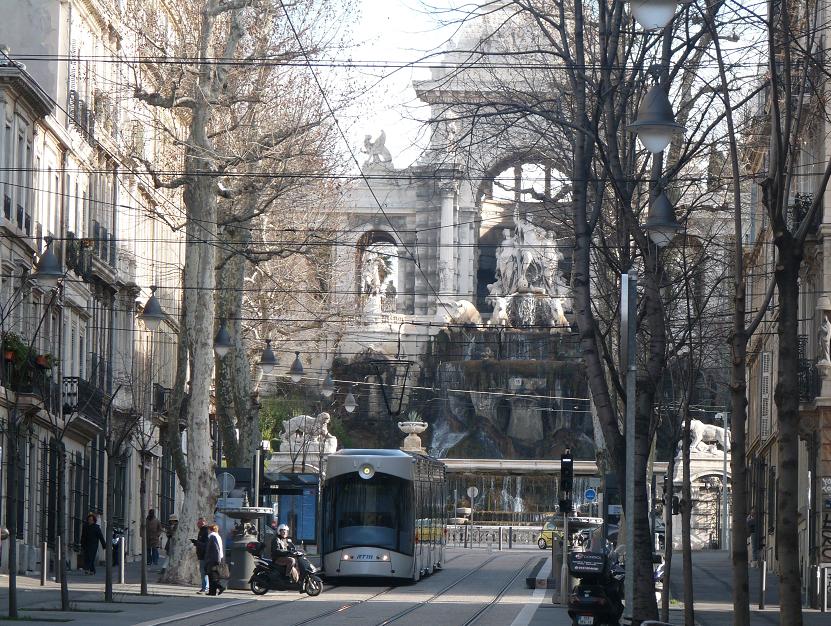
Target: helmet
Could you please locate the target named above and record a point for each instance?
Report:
(282, 527)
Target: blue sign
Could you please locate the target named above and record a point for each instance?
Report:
(590, 495)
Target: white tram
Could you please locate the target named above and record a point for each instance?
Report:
(383, 515)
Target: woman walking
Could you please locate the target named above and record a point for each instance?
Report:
(91, 536)
(213, 557)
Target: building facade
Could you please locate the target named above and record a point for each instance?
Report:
(68, 141)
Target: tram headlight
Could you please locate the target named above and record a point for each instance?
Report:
(366, 471)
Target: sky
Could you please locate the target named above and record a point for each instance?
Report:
(393, 31)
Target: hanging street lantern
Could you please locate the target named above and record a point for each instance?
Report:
(661, 223)
(655, 124)
(267, 360)
(152, 315)
(296, 369)
(349, 403)
(48, 269)
(328, 386)
(222, 341)
(653, 14)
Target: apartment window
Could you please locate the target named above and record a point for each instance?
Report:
(168, 485)
(8, 164)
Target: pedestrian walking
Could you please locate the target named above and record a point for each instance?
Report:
(91, 537)
(153, 528)
(201, 545)
(214, 553)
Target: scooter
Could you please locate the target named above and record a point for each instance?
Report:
(598, 597)
(269, 575)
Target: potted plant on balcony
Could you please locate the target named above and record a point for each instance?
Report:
(43, 361)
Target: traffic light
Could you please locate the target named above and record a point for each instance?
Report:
(566, 473)
(566, 505)
(676, 505)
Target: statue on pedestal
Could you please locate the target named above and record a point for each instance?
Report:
(824, 333)
(708, 438)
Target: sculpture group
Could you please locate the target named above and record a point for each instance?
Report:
(705, 437)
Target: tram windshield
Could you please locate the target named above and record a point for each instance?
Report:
(376, 512)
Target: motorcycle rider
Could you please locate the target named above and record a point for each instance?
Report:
(282, 549)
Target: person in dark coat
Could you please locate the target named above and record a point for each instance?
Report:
(91, 537)
(153, 528)
(201, 545)
(213, 557)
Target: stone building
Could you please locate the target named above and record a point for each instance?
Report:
(66, 175)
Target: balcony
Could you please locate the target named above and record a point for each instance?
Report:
(810, 382)
(85, 398)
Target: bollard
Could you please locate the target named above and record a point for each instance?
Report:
(763, 584)
(825, 589)
(500, 538)
(121, 561)
(58, 557)
(44, 563)
(510, 537)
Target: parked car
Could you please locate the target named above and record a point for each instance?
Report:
(547, 534)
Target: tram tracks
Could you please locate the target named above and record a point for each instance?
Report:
(349, 605)
(440, 593)
(268, 605)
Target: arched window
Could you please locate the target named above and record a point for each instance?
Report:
(377, 271)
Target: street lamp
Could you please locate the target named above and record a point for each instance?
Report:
(655, 124)
(349, 403)
(653, 14)
(267, 359)
(661, 223)
(296, 369)
(152, 315)
(328, 386)
(48, 269)
(222, 341)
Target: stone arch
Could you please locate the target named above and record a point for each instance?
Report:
(381, 249)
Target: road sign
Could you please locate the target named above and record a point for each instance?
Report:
(472, 492)
(226, 483)
(590, 495)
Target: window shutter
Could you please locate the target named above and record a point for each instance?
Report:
(764, 401)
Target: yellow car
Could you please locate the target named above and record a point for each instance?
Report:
(547, 535)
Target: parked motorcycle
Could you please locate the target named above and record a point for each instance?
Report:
(269, 575)
(598, 597)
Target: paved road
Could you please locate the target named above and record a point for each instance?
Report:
(487, 589)
(475, 587)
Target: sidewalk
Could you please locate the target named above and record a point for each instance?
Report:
(713, 588)
(37, 605)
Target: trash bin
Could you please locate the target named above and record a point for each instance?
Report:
(240, 562)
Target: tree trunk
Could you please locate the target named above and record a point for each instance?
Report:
(686, 514)
(143, 527)
(738, 464)
(172, 434)
(108, 550)
(199, 283)
(786, 395)
(646, 606)
(11, 509)
(62, 525)
(668, 494)
(234, 371)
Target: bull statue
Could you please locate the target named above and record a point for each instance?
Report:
(703, 436)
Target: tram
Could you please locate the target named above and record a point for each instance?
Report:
(383, 515)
